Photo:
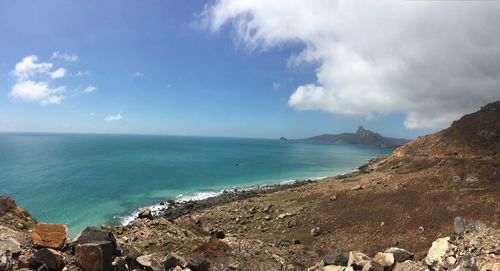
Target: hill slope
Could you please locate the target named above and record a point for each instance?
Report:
(475, 134)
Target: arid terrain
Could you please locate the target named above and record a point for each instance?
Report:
(407, 200)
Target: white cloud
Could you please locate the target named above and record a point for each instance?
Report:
(90, 89)
(29, 67)
(65, 56)
(92, 114)
(33, 82)
(61, 72)
(32, 91)
(113, 117)
(433, 60)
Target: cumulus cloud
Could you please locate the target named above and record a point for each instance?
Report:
(65, 56)
(113, 117)
(432, 60)
(29, 67)
(33, 82)
(32, 91)
(90, 89)
(61, 72)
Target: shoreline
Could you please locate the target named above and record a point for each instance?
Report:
(183, 205)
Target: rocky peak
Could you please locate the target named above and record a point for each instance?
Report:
(363, 133)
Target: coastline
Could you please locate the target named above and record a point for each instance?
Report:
(186, 204)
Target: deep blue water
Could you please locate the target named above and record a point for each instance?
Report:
(82, 180)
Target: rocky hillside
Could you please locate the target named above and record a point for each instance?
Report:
(475, 134)
(362, 136)
(402, 212)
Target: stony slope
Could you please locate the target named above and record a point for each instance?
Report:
(408, 200)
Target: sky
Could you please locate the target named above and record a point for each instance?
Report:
(240, 68)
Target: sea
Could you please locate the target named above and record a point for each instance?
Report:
(91, 179)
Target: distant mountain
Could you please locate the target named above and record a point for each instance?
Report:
(362, 136)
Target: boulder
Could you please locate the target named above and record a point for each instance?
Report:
(315, 231)
(468, 263)
(471, 179)
(145, 213)
(96, 256)
(172, 260)
(10, 245)
(358, 260)
(386, 260)
(148, 262)
(198, 263)
(335, 258)
(436, 253)
(459, 225)
(333, 268)
(95, 235)
(49, 235)
(5, 262)
(494, 266)
(357, 187)
(284, 215)
(400, 255)
(51, 258)
(218, 234)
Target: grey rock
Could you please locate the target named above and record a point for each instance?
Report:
(468, 263)
(172, 260)
(400, 255)
(459, 225)
(218, 234)
(95, 235)
(51, 258)
(335, 258)
(148, 262)
(5, 262)
(471, 179)
(10, 245)
(198, 263)
(315, 231)
(145, 213)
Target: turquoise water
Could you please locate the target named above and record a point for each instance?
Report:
(82, 180)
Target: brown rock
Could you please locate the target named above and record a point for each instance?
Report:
(384, 259)
(148, 262)
(94, 256)
(49, 235)
(173, 260)
(198, 263)
(52, 259)
(145, 213)
(491, 266)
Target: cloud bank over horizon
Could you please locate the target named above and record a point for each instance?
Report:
(432, 60)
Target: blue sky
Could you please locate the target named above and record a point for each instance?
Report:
(157, 68)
